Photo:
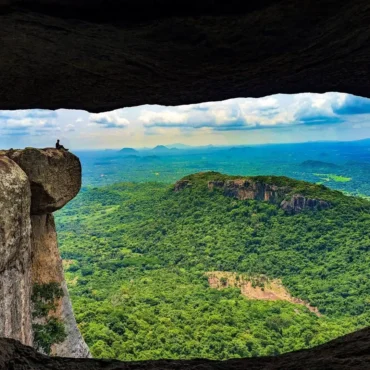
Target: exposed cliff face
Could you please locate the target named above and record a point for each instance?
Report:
(34, 183)
(182, 184)
(249, 189)
(15, 253)
(47, 273)
(298, 203)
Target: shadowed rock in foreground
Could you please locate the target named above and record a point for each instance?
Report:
(351, 352)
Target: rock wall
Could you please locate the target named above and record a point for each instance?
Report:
(248, 189)
(47, 271)
(15, 253)
(33, 291)
(298, 203)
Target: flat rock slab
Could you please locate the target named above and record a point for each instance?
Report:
(54, 175)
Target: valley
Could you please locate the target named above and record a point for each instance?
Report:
(139, 255)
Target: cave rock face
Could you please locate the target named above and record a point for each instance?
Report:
(33, 291)
(55, 176)
(15, 252)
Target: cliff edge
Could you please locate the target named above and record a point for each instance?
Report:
(36, 307)
(287, 194)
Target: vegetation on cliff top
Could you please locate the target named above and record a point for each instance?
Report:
(317, 191)
(138, 254)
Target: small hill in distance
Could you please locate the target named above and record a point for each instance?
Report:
(128, 151)
(160, 148)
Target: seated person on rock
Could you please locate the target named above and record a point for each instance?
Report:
(59, 146)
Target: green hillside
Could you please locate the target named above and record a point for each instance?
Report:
(136, 257)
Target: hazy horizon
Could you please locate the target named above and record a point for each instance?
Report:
(188, 146)
(276, 119)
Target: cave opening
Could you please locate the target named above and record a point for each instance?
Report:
(217, 230)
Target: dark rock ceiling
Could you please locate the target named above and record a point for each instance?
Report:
(100, 55)
(348, 353)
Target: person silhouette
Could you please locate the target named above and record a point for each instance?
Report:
(59, 146)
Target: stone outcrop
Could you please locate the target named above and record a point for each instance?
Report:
(297, 203)
(15, 253)
(247, 189)
(33, 292)
(181, 184)
(243, 189)
(351, 352)
(55, 177)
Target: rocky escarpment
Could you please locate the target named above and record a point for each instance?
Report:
(282, 191)
(181, 184)
(282, 195)
(52, 178)
(297, 203)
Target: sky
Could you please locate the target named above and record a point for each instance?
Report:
(243, 121)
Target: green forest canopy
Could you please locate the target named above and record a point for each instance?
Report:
(137, 255)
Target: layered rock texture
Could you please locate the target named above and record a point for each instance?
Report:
(34, 296)
(284, 196)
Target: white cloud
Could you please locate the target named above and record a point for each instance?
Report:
(258, 113)
(273, 118)
(113, 119)
(27, 122)
(70, 128)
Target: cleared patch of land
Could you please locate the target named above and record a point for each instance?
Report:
(257, 287)
(332, 177)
